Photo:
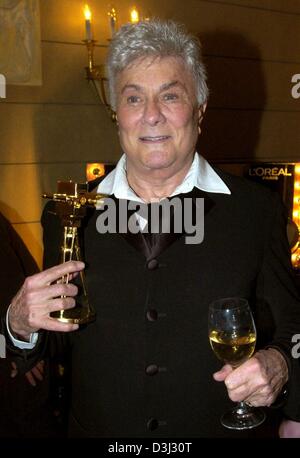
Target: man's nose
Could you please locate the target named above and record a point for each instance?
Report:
(152, 113)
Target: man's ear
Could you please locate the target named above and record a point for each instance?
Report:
(201, 112)
(116, 122)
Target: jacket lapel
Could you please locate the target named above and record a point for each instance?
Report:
(152, 244)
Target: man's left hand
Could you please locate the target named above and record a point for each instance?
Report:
(258, 381)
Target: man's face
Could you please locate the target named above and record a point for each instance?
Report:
(158, 114)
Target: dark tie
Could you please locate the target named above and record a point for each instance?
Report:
(151, 244)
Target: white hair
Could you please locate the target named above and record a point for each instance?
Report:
(155, 38)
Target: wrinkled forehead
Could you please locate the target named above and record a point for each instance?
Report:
(168, 68)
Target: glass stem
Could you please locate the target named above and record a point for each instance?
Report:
(242, 408)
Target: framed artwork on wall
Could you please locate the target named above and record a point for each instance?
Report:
(20, 42)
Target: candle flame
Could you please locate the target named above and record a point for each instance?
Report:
(113, 14)
(87, 13)
(134, 15)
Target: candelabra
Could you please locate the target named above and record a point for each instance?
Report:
(97, 75)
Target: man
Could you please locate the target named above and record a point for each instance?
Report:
(144, 368)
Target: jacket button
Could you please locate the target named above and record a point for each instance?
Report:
(152, 369)
(151, 315)
(152, 424)
(152, 264)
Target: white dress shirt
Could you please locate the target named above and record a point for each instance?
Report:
(200, 175)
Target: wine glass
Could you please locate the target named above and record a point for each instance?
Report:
(232, 337)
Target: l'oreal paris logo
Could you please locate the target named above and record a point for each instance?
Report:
(269, 173)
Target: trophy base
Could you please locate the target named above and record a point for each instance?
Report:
(77, 315)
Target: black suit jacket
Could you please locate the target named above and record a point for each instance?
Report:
(144, 367)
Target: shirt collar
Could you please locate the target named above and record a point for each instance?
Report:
(201, 175)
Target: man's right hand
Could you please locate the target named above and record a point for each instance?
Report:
(40, 294)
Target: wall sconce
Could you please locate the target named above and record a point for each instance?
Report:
(97, 73)
(94, 170)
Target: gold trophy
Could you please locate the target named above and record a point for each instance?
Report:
(71, 203)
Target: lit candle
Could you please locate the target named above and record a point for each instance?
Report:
(88, 23)
(112, 20)
(134, 15)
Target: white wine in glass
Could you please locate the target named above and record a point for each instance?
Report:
(232, 336)
(233, 348)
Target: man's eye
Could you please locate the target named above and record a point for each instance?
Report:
(170, 96)
(133, 99)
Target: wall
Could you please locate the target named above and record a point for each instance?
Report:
(251, 47)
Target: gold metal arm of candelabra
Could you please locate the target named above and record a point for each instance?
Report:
(71, 203)
(97, 74)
